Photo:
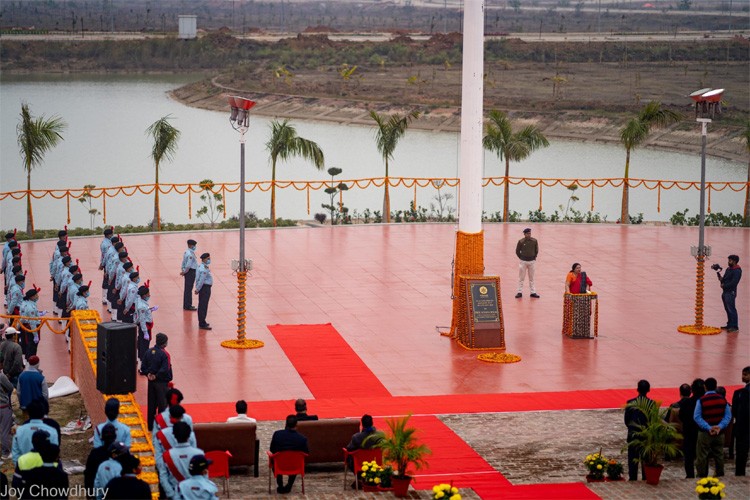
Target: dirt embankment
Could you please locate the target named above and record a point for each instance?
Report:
(579, 102)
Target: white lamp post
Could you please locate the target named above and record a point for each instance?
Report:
(707, 104)
(239, 119)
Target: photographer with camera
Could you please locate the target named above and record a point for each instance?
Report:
(729, 283)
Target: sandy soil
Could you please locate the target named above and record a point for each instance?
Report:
(591, 101)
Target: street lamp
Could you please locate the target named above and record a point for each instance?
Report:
(239, 118)
(707, 104)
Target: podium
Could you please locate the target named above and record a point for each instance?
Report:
(581, 315)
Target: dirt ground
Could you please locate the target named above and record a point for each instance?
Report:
(576, 101)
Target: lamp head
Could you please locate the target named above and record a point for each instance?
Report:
(240, 108)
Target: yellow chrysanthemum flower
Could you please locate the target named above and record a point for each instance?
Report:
(454, 490)
(439, 494)
(455, 497)
(714, 490)
(362, 475)
(703, 481)
(436, 488)
(722, 494)
(599, 466)
(365, 468)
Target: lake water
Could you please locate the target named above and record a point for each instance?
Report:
(106, 145)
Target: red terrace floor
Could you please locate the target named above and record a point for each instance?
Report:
(385, 289)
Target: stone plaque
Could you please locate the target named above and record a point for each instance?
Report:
(484, 302)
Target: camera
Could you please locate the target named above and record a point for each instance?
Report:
(716, 267)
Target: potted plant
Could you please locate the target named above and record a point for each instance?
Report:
(401, 448)
(654, 439)
(596, 463)
(614, 471)
(445, 492)
(710, 488)
(370, 475)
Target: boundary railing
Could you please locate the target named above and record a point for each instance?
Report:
(414, 183)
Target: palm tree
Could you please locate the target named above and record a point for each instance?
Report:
(284, 144)
(390, 130)
(634, 133)
(36, 136)
(747, 189)
(511, 147)
(165, 138)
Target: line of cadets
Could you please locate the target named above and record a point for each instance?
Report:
(121, 293)
(181, 465)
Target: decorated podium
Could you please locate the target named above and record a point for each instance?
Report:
(581, 315)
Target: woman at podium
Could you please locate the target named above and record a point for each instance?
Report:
(577, 307)
(577, 281)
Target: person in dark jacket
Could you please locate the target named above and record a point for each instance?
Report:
(288, 439)
(689, 427)
(128, 486)
(359, 440)
(158, 369)
(729, 282)
(98, 455)
(300, 406)
(741, 416)
(633, 419)
(712, 415)
(48, 478)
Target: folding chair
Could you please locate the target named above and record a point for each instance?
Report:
(358, 458)
(286, 463)
(220, 467)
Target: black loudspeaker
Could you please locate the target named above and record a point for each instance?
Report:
(115, 358)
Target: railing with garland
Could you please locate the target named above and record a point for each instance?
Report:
(82, 326)
(406, 182)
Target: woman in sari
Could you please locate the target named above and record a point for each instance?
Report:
(577, 281)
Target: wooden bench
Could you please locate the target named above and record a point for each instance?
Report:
(239, 439)
(326, 437)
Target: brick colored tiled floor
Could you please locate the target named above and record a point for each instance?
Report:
(385, 289)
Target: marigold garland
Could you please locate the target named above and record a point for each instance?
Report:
(242, 344)
(499, 357)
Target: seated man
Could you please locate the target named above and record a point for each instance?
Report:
(241, 408)
(97, 456)
(198, 486)
(112, 411)
(288, 440)
(48, 477)
(127, 486)
(300, 406)
(22, 440)
(174, 464)
(360, 440)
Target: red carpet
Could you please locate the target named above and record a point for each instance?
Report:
(451, 458)
(343, 406)
(329, 367)
(331, 370)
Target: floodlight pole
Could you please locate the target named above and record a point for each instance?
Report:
(701, 252)
(238, 118)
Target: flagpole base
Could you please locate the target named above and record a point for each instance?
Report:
(242, 344)
(698, 330)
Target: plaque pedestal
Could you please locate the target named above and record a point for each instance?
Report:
(480, 326)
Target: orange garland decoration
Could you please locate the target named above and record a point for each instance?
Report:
(469, 260)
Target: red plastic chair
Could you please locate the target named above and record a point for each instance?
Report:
(358, 458)
(219, 467)
(286, 463)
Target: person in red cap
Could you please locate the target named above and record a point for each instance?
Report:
(32, 384)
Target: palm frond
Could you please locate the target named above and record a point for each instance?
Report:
(165, 138)
(37, 136)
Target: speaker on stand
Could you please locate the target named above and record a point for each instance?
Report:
(116, 358)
